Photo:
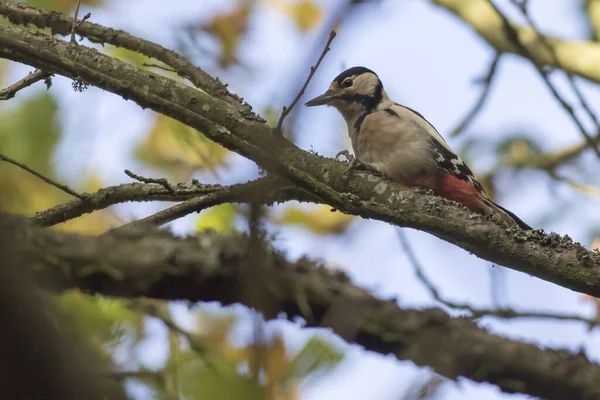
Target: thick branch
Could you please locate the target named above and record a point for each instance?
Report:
(209, 268)
(575, 57)
(63, 25)
(548, 257)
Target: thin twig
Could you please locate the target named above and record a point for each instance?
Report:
(30, 79)
(157, 309)
(121, 375)
(74, 22)
(522, 5)
(270, 191)
(513, 36)
(181, 210)
(504, 313)
(52, 182)
(486, 81)
(286, 110)
(161, 181)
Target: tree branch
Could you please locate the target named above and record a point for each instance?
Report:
(271, 191)
(46, 179)
(30, 79)
(576, 57)
(504, 313)
(486, 82)
(286, 110)
(62, 25)
(209, 268)
(550, 257)
(513, 35)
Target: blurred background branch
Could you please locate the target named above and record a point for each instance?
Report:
(196, 274)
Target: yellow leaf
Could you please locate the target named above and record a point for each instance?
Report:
(177, 148)
(221, 218)
(228, 29)
(101, 319)
(94, 223)
(305, 13)
(134, 57)
(320, 219)
(276, 368)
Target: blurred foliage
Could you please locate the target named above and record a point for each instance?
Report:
(219, 373)
(29, 134)
(220, 218)
(180, 150)
(61, 5)
(592, 9)
(103, 321)
(429, 390)
(518, 149)
(305, 13)
(133, 57)
(319, 219)
(228, 29)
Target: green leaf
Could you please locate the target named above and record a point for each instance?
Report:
(29, 134)
(220, 218)
(316, 355)
(104, 321)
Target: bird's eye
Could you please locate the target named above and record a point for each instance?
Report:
(347, 83)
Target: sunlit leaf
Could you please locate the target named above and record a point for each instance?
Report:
(319, 219)
(305, 13)
(179, 149)
(518, 149)
(228, 29)
(276, 369)
(317, 355)
(102, 320)
(94, 223)
(220, 218)
(28, 134)
(133, 57)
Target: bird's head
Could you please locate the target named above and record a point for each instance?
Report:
(352, 92)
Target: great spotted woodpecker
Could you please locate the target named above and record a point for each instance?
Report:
(402, 145)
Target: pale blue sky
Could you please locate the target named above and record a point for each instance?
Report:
(427, 59)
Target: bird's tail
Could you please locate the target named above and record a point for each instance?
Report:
(491, 208)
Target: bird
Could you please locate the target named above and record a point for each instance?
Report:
(401, 145)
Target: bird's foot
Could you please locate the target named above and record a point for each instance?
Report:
(353, 161)
(346, 154)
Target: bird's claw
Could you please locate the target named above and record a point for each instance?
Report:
(353, 161)
(346, 154)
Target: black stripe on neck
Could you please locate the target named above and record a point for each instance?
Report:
(359, 121)
(369, 102)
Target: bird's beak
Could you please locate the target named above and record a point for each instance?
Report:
(323, 99)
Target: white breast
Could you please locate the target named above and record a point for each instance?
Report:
(397, 146)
